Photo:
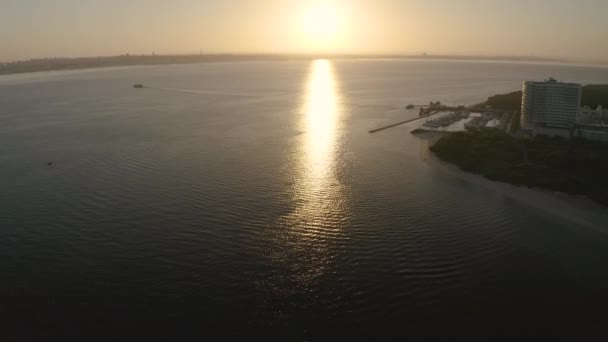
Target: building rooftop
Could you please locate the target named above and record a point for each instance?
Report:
(552, 80)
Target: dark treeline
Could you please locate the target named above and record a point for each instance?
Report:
(593, 95)
(575, 167)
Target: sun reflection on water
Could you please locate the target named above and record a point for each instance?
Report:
(309, 236)
(318, 216)
(321, 115)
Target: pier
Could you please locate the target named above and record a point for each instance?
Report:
(401, 123)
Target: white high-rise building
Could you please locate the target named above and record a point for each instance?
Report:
(550, 104)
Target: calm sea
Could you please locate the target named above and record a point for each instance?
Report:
(248, 200)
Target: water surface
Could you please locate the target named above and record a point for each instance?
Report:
(239, 200)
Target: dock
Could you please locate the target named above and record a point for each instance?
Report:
(401, 123)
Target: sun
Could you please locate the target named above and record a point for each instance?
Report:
(321, 24)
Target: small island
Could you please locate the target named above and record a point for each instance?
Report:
(572, 166)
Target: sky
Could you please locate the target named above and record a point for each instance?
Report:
(570, 29)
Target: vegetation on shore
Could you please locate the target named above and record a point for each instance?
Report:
(510, 101)
(594, 95)
(420, 130)
(51, 64)
(55, 64)
(575, 167)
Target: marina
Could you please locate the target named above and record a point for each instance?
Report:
(442, 118)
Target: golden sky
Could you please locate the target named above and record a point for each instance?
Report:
(551, 28)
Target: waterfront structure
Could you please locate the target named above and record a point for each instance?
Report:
(436, 105)
(592, 132)
(587, 115)
(592, 124)
(550, 105)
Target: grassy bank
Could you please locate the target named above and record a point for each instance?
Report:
(574, 167)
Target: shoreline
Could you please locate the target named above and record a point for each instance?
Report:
(579, 210)
(75, 63)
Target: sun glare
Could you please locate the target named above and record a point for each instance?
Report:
(321, 24)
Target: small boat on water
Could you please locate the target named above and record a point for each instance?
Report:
(410, 106)
(138, 86)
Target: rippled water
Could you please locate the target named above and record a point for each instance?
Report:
(246, 200)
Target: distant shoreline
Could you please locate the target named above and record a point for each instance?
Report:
(60, 64)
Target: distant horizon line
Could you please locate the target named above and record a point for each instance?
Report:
(307, 55)
(79, 63)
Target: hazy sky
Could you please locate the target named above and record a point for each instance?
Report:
(553, 28)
